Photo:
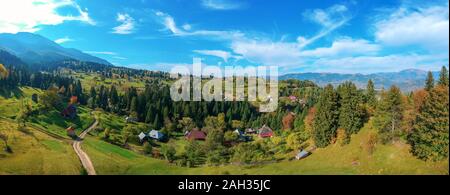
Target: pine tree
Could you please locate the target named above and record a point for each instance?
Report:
(326, 120)
(134, 105)
(430, 136)
(157, 123)
(370, 94)
(389, 113)
(350, 112)
(429, 84)
(443, 77)
(150, 116)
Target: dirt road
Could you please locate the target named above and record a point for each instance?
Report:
(84, 158)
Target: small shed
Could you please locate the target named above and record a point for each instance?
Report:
(71, 131)
(142, 136)
(196, 134)
(154, 134)
(265, 132)
(301, 155)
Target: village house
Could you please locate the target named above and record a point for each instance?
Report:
(242, 136)
(195, 134)
(265, 132)
(157, 135)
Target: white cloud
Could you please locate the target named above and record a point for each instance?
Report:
(329, 19)
(266, 52)
(119, 58)
(63, 40)
(102, 52)
(426, 27)
(344, 47)
(218, 53)
(30, 15)
(222, 4)
(127, 26)
(169, 23)
(261, 50)
(187, 27)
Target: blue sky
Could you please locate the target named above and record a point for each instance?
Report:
(297, 35)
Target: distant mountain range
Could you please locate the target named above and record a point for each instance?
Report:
(407, 80)
(35, 49)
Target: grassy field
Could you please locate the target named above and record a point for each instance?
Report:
(53, 122)
(35, 150)
(348, 160)
(94, 79)
(35, 153)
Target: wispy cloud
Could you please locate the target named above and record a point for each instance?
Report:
(218, 53)
(260, 49)
(119, 58)
(222, 4)
(102, 52)
(344, 46)
(127, 24)
(170, 25)
(329, 19)
(289, 53)
(29, 15)
(63, 40)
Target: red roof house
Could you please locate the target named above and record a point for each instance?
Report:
(265, 132)
(196, 134)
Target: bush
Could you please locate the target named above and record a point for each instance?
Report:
(148, 148)
(370, 142)
(168, 152)
(218, 156)
(297, 140)
(247, 153)
(230, 136)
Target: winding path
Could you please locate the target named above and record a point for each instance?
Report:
(84, 158)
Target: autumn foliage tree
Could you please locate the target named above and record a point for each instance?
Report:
(288, 121)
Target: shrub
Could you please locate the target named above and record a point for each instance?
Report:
(168, 152)
(148, 149)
